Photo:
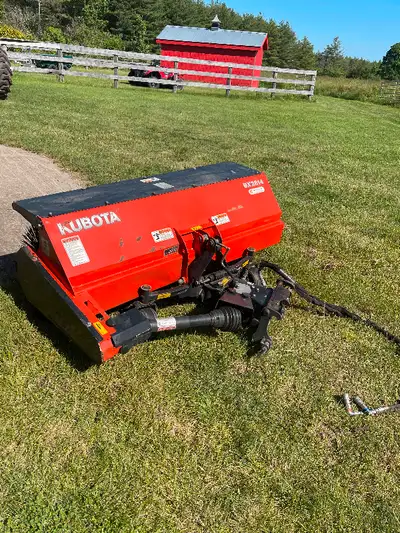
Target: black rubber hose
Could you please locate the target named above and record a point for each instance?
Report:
(332, 309)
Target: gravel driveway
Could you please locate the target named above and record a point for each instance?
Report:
(24, 175)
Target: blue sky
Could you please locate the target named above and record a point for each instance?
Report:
(366, 29)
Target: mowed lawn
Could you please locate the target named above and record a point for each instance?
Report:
(185, 434)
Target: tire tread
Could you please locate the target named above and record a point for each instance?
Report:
(5, 75)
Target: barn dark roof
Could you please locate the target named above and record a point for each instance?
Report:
(204, 35)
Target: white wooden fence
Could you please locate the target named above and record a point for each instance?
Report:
(390, 91)
(25, 55)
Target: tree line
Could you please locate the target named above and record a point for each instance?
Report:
(135, 24)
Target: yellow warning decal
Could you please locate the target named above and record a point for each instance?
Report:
(196, 228)
(245, 263)
(100, 328)
(225, 281)
(163, 295)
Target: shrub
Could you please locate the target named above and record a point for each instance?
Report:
(96, 38)
(8, 32)
(54, 35)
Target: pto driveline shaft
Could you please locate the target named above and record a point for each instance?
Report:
(226, 318)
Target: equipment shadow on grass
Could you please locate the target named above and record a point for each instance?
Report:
(10, 285)
(245, 333)
(73, 354)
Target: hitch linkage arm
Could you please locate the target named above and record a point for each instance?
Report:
(274, 308)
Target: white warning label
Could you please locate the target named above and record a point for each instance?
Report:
(75, 250)
(256, 190)
(150, 180)
(163, 185)
(220, 219)
(162, 234)
(165, 324)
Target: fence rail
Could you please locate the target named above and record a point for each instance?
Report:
(390, 91)
(28, 53)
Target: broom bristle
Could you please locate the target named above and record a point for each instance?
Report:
(31, 238)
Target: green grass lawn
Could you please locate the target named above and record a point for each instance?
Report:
(184, 434)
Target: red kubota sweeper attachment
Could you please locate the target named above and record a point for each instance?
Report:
(97, 260)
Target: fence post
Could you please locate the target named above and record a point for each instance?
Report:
(313, 78)
(115, 71)
(228, 82)
(175, 87)
(60, 66)
(274, 75)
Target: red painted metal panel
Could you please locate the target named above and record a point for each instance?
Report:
(115, 249)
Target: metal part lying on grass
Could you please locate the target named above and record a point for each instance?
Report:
(365, 410)
(349, 409)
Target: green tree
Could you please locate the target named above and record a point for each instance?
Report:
(133, 30)
(331, 61)
(305, 56)
(94, 12)
(147, 17)
(361, 68)
(390, 67)
(271, 56)
(135, 24)
(251, 22)
(287, 45)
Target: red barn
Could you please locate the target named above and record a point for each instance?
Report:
(214, 44)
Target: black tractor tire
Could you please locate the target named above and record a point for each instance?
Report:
(5, 75)
(135, 74)
(153, 83)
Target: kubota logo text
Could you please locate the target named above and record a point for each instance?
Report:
(73, 226)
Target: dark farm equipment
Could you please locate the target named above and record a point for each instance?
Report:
(98, 260)
(51, 62)
(5, 73)
(151, 76)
